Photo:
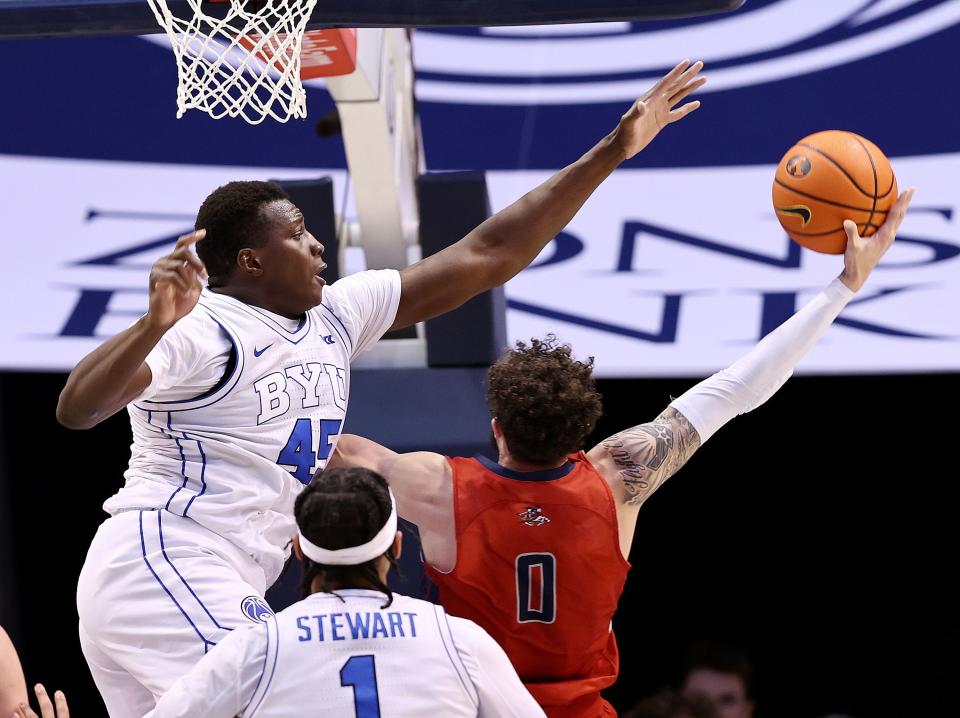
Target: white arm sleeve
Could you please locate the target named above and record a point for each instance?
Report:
(364, 305)
(754, 378)
(223, 682)
(498, 686)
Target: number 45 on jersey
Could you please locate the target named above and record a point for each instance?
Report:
(299, 452)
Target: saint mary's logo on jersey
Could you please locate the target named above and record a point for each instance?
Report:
(533, 516)
(256, 609)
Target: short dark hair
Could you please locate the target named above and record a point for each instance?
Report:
(544, 400)
(669, 704)
(340, 508)
(231, 216)
(720, 657)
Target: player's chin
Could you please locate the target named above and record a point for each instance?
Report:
(316, 288)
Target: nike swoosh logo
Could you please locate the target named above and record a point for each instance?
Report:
(258, 352)
(801, 210)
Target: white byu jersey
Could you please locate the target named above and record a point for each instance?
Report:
(345, 655)
(245, 405)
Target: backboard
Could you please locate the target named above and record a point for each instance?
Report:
(40, 18)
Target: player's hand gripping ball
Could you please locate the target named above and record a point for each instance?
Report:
(828, 177)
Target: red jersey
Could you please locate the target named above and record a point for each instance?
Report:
(539, 567)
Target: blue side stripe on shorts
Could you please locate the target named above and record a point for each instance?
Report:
(143, 549)
(163, 550)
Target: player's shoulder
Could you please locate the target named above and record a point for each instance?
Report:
(198, 333)
(204, 319)
(409, 603)
(473, 642)
(360, 286)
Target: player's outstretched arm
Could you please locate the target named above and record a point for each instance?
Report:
(421, 481)
(637, 461)
(507, 242)
(114, 374)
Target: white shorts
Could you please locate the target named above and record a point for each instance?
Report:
(156, 592)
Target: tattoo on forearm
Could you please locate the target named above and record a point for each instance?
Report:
(648, 454)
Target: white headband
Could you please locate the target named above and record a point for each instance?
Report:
(354, 555)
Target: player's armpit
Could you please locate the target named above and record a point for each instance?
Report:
(638, 460)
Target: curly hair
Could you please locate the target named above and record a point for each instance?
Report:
(543, 399)
(337, 509)
(231, 216)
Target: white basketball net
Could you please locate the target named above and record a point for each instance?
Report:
(245, 65)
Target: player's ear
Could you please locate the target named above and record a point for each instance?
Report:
(495, 428)
(248, 262)
(296, 548)
(397, 547)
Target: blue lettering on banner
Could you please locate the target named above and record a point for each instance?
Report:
(93, 305)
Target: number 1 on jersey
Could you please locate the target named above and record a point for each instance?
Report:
(536, 588)
(360, 673)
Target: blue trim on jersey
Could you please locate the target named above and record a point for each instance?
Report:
(263, 671)
(143, 549)
(203, 473)
(545, 475)
(303, 327)
(270, 320)
(474, 695)
(342, 326)
(150, 425)
(217, 393)
(183, 462)
(273, 668)
(163, 550)
(443, 640)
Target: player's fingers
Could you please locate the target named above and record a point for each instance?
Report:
(896, 216)
(686, 91)
(43, 700)
(181, 267)
(671, 77)
(192, 238)
(684, 110)
(850, 227)
(60, 699)
(24, 711)
(687, 75)
(168, 278)
(185, 255)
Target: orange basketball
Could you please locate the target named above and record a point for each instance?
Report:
(828, 177)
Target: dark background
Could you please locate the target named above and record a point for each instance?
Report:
(815, 532)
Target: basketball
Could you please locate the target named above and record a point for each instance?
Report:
(826, 178)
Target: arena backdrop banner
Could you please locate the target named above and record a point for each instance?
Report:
(674, 267)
